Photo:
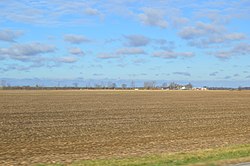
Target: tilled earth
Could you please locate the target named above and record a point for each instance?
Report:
(64, 126)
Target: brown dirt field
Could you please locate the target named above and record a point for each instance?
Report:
(62, 126)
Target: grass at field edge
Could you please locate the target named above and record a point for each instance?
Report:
(209, 157)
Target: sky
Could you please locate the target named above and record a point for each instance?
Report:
(162, 40)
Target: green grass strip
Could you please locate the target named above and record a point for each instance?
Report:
(205, 157)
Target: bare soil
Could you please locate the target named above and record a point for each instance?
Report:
(64, 126)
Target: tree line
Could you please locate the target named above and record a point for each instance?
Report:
(147, 85)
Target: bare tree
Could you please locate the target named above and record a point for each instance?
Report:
(149, 84)
(165, 85)
(174, 86)
(124, 86)
(75, 84)
(111, 85)
(132, 85)
(3, 83)
(98, 86)
(189, 86)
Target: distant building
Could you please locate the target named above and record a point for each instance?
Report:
(183, 88)
(199, 88)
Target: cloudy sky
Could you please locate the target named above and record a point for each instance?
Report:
(188, 40)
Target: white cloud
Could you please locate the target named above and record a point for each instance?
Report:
(107, 56)
(91, 11)
(182, 73)
(18, 67)
(153, 17)
(154, 11)
(163, 44)
(9, 35)
(76, 51)
(172, 55)
(137, 40)
(213, 74)
(26, 51)
(239, 49)
(190, 32)
(76, 39)
(225, 38)
(121, 53)
(66, 59)
(130, 51)
(205, 35)
(179, 21)
(199, 30)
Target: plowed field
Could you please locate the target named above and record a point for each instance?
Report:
(64, 126)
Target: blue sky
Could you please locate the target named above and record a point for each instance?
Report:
(192, 41)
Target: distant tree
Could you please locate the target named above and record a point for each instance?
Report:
(124, 86)
(88, 85)
(165, 85)
(3, 83)
(189, 86)
(154, 84)
(132, 85)
(98, 86)
(146, 85)
(239, 88)
(173, 86)
(75, 84)
(149, 84)
(111, 85)
(103, 85)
